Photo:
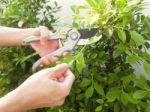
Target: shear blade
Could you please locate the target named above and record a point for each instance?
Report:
(87, 33)
(83, 42)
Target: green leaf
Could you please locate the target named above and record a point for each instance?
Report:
(80, 62)
(99, 89)
(131, 108)
(133, 2)
(81, 7)
(93, 19)
(138, 39)
(127, 18)
(80, 96)
(100, 101)
(140, 94)
(94, 39)
(94, 55)
(98, 109)
(85, 83)
(69, 60)
(75, 24)
(113, 78)
(124, 98)
(131, 99)
(122, 36)
(121, 4)
(116, 107)
(89, 92)
(147, 109)
(119, 50)
(20, 23)
(91, 3)
(77, 9)
(100, 3)
(126, 81)
(73, 8)
(142, 83)
(131, 59)
(113, 94)
(28, 57)
(147, 67)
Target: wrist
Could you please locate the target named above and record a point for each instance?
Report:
(12, 102)
(27, 32)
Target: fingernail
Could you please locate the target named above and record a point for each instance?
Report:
(41, 65)
(62, 79)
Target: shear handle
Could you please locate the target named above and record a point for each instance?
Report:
(72, 40)
(31, 39)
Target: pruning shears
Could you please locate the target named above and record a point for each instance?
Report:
(68, 39)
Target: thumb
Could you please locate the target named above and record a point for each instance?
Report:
(59, 70)
(68, 81)
(44, 33)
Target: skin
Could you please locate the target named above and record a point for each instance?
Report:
(14, 37)
(48, 87)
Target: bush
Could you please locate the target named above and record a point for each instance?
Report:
(106, 81)
(105, 78)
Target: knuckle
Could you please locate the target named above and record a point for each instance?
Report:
(53, 70)
(43, 27)
(65, 92)
(73, 76)
(55, 45)
(61, 103)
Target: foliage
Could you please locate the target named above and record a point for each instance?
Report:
(105, 77)
(28, 13)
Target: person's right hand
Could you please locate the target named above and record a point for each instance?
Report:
(49, 87)
(45, 47)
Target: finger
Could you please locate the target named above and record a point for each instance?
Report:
(45, 61)
(61, 102)
(66, 54)
(48, 59)
(68, 81)
(36, 32)
(54, 44)
(51, 58)
(44, 72)
(61, 79)
(59, 70)
(41, 65)
(44, 33)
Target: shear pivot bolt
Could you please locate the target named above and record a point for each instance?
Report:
(74, 36)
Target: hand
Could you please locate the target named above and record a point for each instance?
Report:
(48, 87)
(44, 47)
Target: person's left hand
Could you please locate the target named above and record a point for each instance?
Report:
(45, 47)
(48, 87)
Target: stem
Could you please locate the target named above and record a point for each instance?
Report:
(80, 52)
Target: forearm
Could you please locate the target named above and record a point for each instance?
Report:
(12, 102)
(13, 36)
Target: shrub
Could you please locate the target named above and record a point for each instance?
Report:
(106, 80)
